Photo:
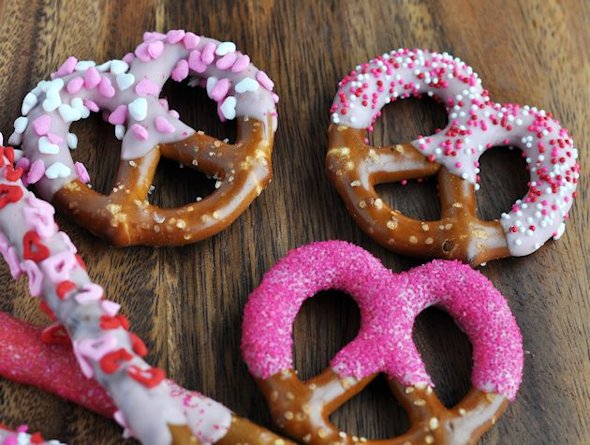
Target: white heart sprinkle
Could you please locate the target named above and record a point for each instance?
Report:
(119, 67)
(119, 131)
(228, 107)
(125, 80)
(225, 48)
(104, 67)
(29, 102)
(77, 102)
(20, 124)
(52, 101)
(57, 170)
(211, 82)
(138, 109)
(15, 138)
(246, 84)
(72, 141)
(55, 85)
(69, 113)
(46, 147)
(42, 86)
(83, 65)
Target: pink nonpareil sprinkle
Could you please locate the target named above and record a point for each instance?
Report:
(389, 303)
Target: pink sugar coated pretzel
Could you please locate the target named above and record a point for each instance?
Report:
(128, 90)
(148, 405)
(389, 304)
(476, 124)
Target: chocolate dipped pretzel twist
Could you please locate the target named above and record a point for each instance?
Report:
(128, 92)
(389, 304)
(475, 125)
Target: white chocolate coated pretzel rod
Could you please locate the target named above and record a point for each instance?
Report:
(105, 349)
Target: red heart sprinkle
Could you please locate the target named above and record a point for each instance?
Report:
(9, 193)
(64, 288)
(147, 377)
(9, 153)
(138, 345)
(55, 334)
(33, 248)
(37, 438)
(13, 174)
(124, 321)
(111, 362)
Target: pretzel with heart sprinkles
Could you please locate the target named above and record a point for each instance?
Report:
(475, 125)
(150, 407)
(389, 304)
(127, 91)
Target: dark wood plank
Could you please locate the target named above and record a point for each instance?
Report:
(187, 302)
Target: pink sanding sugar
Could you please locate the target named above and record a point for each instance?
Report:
(389, 303)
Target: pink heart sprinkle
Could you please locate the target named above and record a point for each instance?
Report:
(155, 49)
(195, 63)
(110, 307)
(190, 40)
(82, 172)
(128, 58)
(180, 71)
(174, 114)
(35, 277)
(36, 172)
(140, 132)
(96, 348)
(91, 105)
(142, 52)
(208, 53)
(241, 64)
(105, 88)
(75, 85)
(226, 61)
(264, 80)
(40, 219)
(118, 116)
(92, 78)
(147, 88)
(220, 90)
(23, 163)
(59, 265)
(55, 138)
(90, 292)
(163, 126)
(175, 35)
(41, 125)
(67, 67)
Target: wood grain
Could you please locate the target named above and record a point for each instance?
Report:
(187, 302)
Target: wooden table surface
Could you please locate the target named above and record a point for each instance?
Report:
(187, 302)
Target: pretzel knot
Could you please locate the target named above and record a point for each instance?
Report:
(389, 304)
(475, 125)
(127, 91)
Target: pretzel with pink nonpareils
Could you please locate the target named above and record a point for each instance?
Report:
(475, 124)
(127, 91)
(389, 304)
(150, 407)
